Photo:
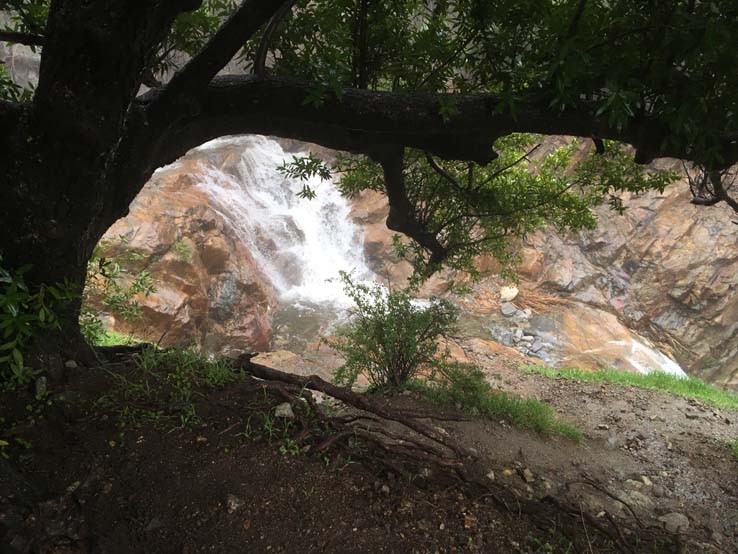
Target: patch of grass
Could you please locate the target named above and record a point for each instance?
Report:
(162, 386)
(465, 385)
(183, 250)
(113, 338)
(689, 387)
(733, 446)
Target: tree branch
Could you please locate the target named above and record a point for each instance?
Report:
(28, 39)
(221, 48)
(263, 49)
(402, 217)
(359, 120)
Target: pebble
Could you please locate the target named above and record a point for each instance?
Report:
(508, 309)
(233, 503)
(508, 293)
(675, 522)
(284, 410)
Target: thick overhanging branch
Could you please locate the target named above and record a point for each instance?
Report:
(362, 120)
(28, 39)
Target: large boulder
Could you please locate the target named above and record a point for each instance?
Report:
(210, 291)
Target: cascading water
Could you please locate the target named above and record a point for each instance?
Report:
(300, 245)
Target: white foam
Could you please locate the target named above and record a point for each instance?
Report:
(646, 359)
(299, 244)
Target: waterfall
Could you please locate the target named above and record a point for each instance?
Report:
(300, 245)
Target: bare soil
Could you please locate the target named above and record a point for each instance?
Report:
(83, 484)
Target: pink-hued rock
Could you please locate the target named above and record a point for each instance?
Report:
(209, 290)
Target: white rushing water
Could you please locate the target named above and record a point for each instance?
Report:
(299, 244)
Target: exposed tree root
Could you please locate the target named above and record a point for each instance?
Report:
(400, 436)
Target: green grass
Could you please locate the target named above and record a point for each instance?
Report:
(733, 446)
(113, 338)
(466, 386)
(162, 388)
(689, 387)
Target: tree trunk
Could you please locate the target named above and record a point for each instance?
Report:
(52, 215)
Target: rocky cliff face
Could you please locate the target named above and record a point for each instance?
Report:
(666, 269)
(662, 277)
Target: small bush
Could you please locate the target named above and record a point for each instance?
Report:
(390, 337)
(111, 286)
(24, 315)
(465, 386)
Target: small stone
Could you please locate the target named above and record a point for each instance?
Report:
(154, 524)
(491, 475)
(70, 364)
(233, 503)
(507, 472)
(518, 334)
(385, 490)
(536, 346)
(691, 415)
(603, 427)
(675, 522)
(284, 410)
(41, 387)
(528, 338)
(646, 481)
(508, 310)
(658, 491)
(508, 293)
(527, 475)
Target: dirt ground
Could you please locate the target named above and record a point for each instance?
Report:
(76, 482)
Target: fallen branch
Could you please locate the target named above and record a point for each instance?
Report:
(350, 398)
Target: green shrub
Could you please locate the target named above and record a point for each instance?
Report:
(390, 337)
(24, 315)
(111, 286)
(465, 386)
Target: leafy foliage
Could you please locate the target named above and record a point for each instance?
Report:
(391, 337)
(668, 61)
(474, 210)
(113, 287)
(304, 168)
(24, 315)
